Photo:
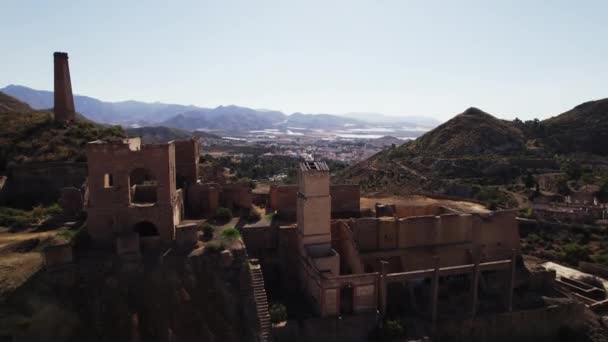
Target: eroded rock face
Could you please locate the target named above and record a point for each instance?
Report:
(199, 297)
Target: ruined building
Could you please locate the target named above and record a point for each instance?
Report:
(64, 100)
(434, 267)
(149, 190)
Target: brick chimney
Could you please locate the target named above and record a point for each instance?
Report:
(64, 100)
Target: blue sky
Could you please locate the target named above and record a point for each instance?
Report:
(510, 58)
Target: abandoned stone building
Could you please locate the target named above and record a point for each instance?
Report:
(322, 255)
(149, 190)
(430, 263)
(341, 269)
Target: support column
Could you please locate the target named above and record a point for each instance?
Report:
(474, 287)
(434, 295)
(511, 284)
(383, 287)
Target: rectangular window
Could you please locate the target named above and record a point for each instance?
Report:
(108, 180)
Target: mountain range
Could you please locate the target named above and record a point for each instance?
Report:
(474, 150)
(189, 117)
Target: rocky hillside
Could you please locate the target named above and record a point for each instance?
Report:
(475, 151)
(471, 133)
(581, 129)
(28, 135)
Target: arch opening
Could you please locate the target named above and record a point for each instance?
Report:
(143, 186)
(145, 229)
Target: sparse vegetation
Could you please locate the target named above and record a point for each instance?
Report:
(278, 313)
(231, 234)
(19, 219)
(27, 135)
(393, 328)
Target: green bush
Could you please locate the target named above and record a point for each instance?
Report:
(394, 328)
(572, 253)
(269, 217)
(208, 230)
(19, 219)
(223, 214)
(214, 247)
(278, 313)
(230, 234)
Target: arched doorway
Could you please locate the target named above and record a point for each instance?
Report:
(143, 186)
(145, 229)
(346, 300)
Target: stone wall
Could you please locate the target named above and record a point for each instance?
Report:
(186, 160)
(202, 199)
(110, 208)
(413, 241)
(236, 195)
(345, 200)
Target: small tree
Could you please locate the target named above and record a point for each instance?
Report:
(573, 253)
(223, 214)
(278, 313)
(208, 231)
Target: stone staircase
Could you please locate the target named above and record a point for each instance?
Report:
(261, 301)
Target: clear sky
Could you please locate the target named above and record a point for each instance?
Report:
(510, 58)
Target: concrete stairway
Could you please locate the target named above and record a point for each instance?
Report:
(261, 301)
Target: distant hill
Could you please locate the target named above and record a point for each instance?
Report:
(226, 118)
(474, 149)
(408, 120)
(472, 132)
(125, 112)
(316, 121)
(28, 135)
(223, 118)
(161, 134)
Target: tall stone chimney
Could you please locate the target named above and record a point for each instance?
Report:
(64, 100)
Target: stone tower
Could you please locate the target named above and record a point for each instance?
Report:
(64, 100)
(314, 204)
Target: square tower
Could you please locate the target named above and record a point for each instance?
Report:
(314, 203)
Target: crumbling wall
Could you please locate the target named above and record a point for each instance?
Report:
(111, 208)
(203, 199)
(187, 154)
(283, 199)
(403, 211)
(236, 195)
(345, 200)
(497, 233)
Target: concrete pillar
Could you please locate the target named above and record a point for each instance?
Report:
(383, 287)
(64, 100)
(474, 287)
(511, 281)
(434, 295)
